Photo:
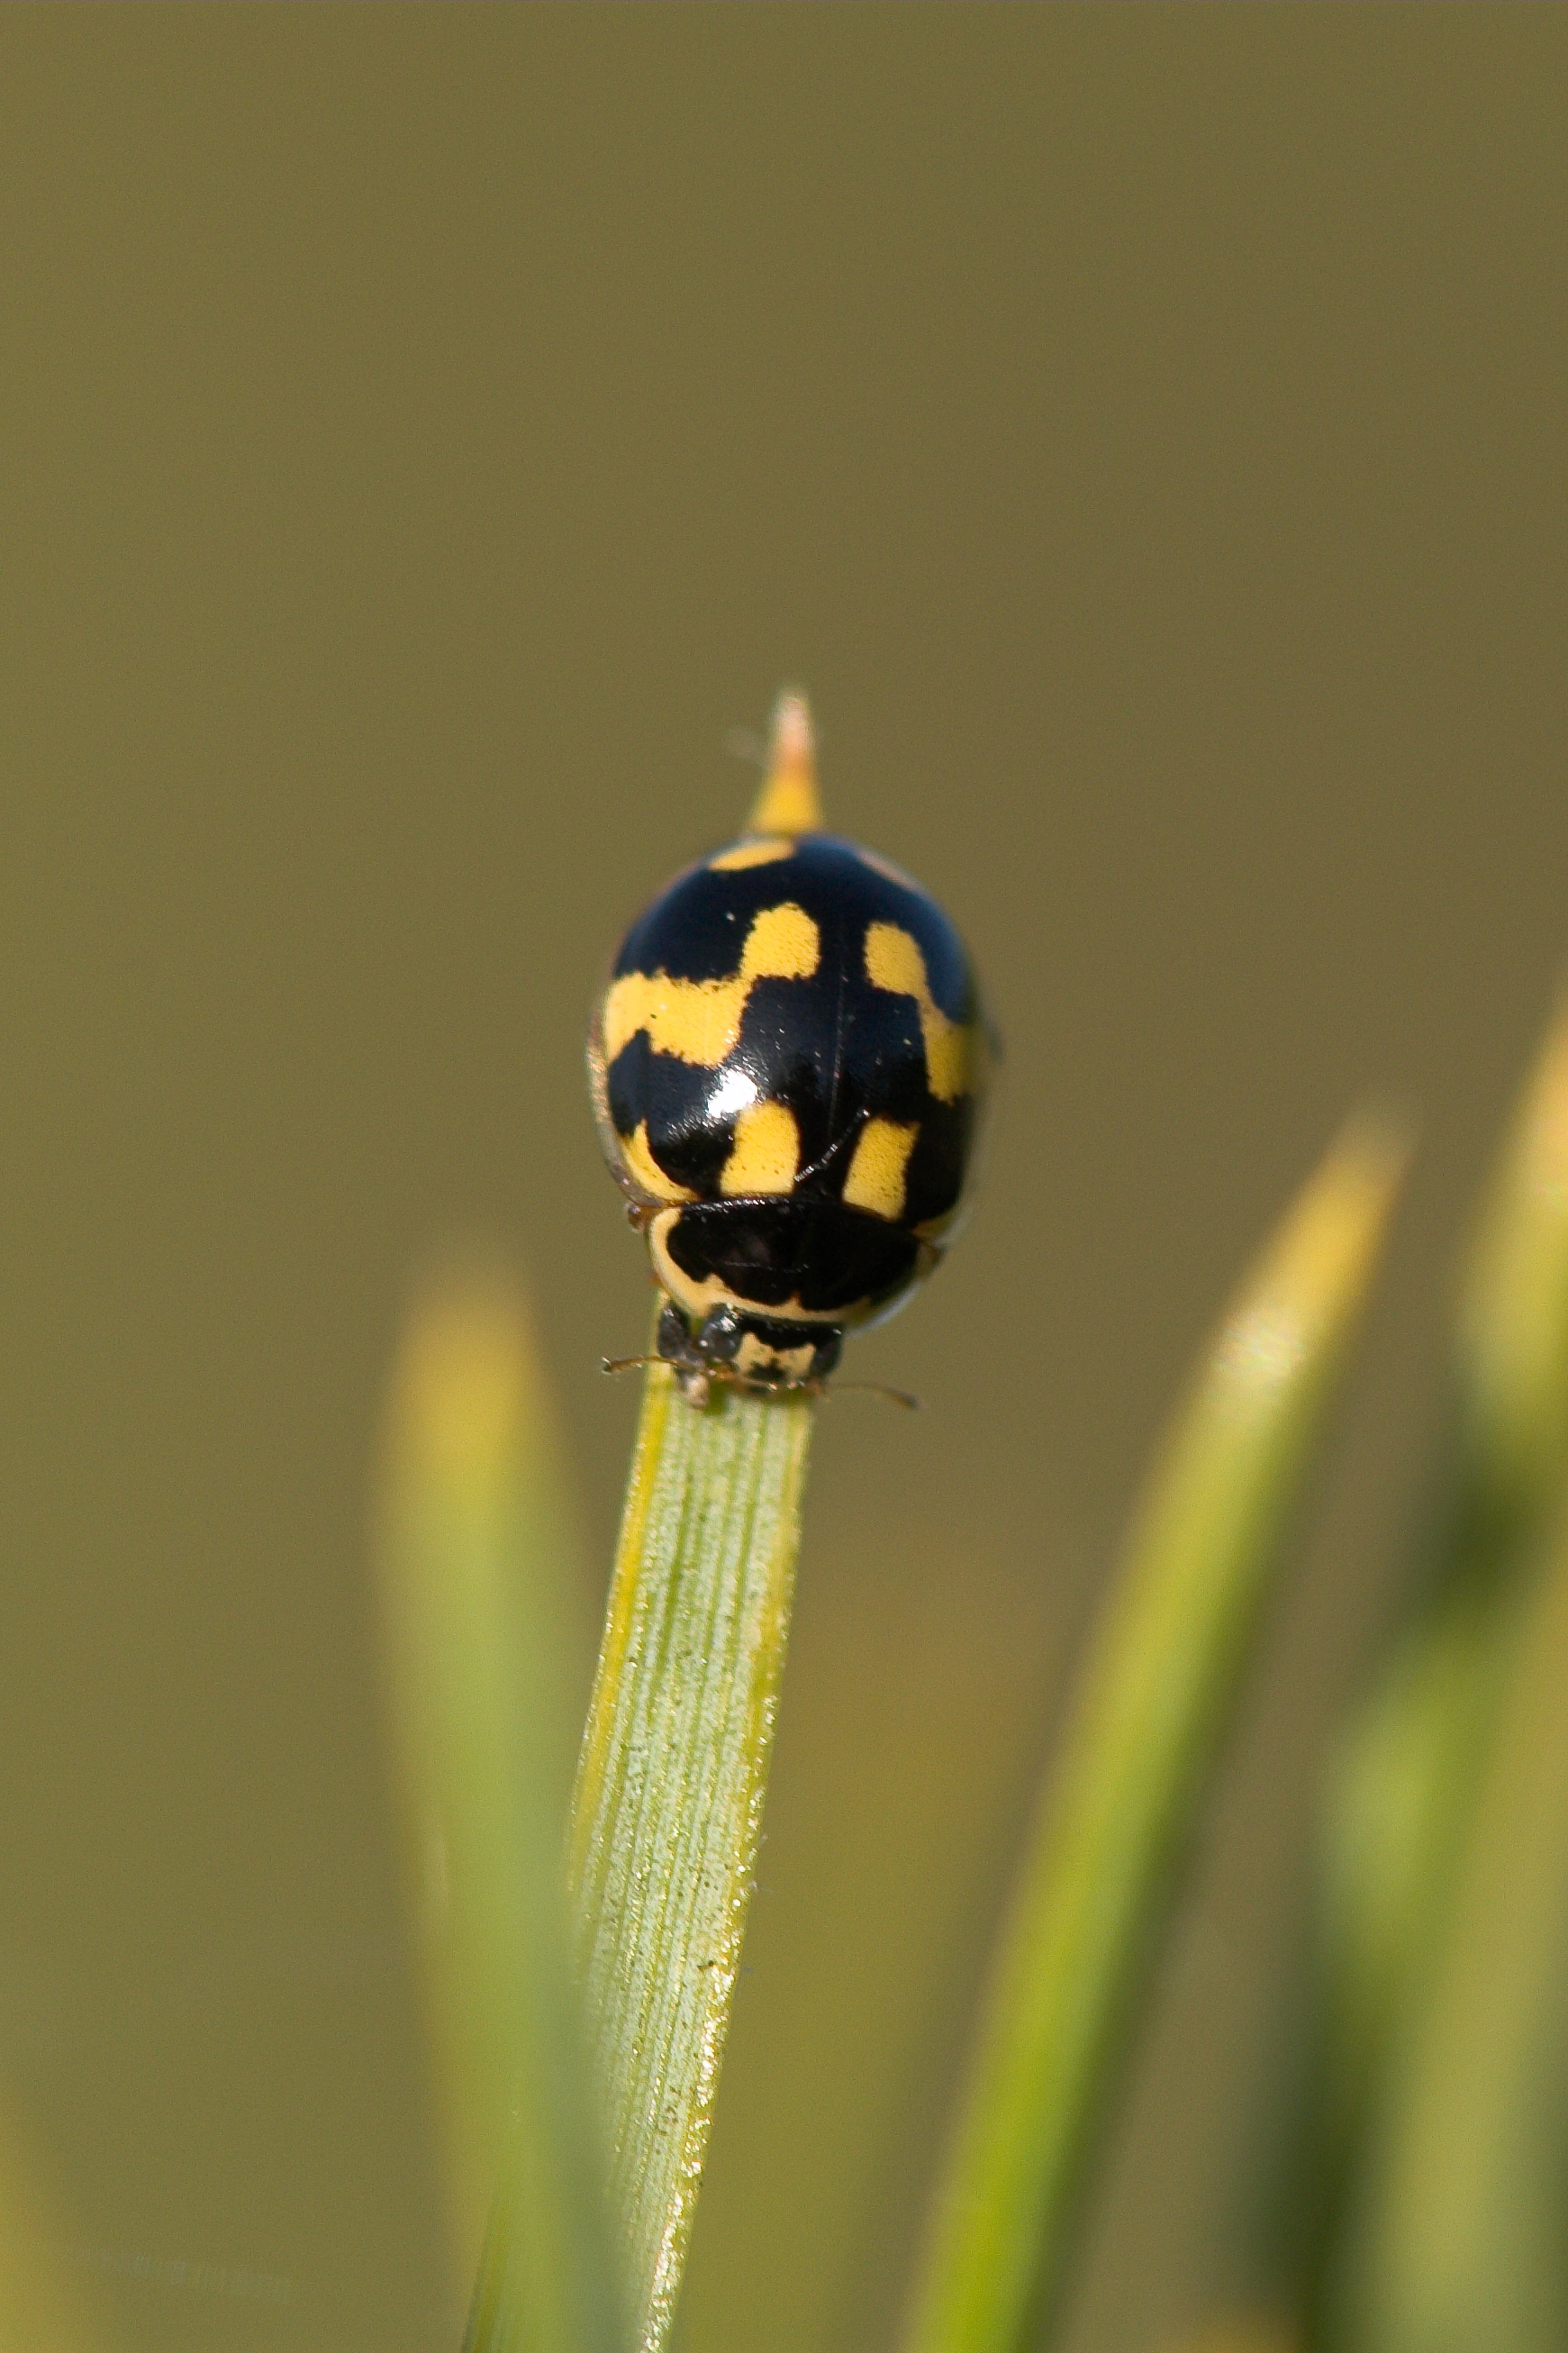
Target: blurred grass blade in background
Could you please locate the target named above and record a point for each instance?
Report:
(1156, 1692)
(670, 1790)
(1405, 1782)
(1459, 2243)
(39, 2310)
(1512, 1337)
(1244, 2335)
(474, 1563)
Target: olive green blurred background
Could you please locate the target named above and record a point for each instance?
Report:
(425, 433)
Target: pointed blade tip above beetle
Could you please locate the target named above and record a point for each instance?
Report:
(788, 802)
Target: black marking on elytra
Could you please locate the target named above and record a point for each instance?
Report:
(933, 1176)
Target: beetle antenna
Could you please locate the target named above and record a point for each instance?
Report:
(874, 1388)
(627, 1364)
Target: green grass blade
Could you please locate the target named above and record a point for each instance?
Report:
(670, 1790)
(471, 1585)
(1460, 2248)
(1156, 1692)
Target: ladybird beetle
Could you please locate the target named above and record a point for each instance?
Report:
(787, 1065)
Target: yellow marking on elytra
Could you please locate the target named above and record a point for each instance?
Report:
(641, 1165)
(893, 961)
(750, 853)
(878, 1171)
(788, 802)
(765, 1153)
(699, 1020)
(783, 943)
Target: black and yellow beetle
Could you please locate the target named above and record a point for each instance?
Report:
(787, 1066)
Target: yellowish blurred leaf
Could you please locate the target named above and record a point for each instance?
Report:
(474, 1558)
(40, 2311)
